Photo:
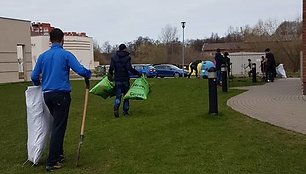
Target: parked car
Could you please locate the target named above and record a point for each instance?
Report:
(204, 68)
(146, 69)
(168, 70)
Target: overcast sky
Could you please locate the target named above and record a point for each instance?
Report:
(120, 21)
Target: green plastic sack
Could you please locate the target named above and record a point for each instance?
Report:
(105, 88)
(139, 90)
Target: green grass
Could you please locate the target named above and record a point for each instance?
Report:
(171, 132)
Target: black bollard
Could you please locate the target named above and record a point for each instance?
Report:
(254, 73)
(224, 78)
(212, 90)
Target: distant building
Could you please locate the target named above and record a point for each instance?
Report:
(15, 50)
(210, 48)
(239, 62)
(78, 44)
(81, 47)
(40, 29)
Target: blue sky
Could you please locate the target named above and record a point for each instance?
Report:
(120, 21)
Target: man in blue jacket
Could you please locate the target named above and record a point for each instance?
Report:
(54, 67)
(121, 64)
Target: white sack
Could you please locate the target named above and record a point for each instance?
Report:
(39, 122)
(280, 71)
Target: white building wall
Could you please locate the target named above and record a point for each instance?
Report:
(81, 47)
(239, 61)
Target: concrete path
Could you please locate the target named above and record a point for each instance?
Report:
(280, 103)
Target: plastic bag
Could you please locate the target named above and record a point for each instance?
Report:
(139, 90)
(39, 122)
(105, 88)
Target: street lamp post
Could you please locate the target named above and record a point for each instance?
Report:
(183, 48)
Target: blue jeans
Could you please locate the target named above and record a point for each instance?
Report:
(121, 88)
(219, 77)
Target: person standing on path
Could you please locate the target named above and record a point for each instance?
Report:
(54, 67)
(271, 65)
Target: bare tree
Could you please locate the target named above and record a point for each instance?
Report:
(168, 34)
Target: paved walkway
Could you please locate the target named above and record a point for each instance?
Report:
(280, 103)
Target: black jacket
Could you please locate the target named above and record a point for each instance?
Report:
(219, 60)
(121, 64)
(270, 61)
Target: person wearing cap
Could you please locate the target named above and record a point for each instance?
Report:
(119, 69)
(51, 71)
(270, 65)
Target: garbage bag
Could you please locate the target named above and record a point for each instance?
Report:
(139, 90)
(105, 88)
(39, 122)
(280, 71)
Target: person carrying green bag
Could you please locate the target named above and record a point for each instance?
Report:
(121, 65)
(139, 90)
(105, 88)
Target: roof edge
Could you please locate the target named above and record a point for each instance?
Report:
(14, 19)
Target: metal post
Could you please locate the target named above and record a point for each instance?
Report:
(183, 48)
(212, 90)
(224, 78)
(254, 73)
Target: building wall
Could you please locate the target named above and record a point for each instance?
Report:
(240, 61)
(304, 48)
(81, 47)
(13, 33)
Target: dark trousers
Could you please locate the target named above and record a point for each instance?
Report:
(191, 71)
(58, 104)
(121, 88)
(270, 74)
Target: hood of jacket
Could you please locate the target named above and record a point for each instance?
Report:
(122, 53)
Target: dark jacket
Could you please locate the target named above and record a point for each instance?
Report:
(219, 60)
(121, 64)
(270, 61)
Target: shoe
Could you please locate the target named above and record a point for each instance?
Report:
(126, 114)
(58, 165)
(61, 158)
(116, 113)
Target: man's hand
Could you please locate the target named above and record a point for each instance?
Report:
(110, 77)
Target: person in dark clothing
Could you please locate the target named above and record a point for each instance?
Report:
(54, 66)
(249, 66)
(219, 59)
(194, 67)
(121, 65)
(228, 63)
(271, 72)
(263, 67)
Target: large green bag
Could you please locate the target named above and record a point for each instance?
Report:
(139, 90)
(105, 88)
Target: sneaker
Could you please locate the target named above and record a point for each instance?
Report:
(126, 114)
(61, 158)
(58, 165)
(116, 113)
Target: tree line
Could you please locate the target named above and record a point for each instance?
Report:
(284, 39)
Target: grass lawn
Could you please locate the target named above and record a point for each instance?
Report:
(171, 132)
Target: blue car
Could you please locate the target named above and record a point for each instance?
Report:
(168, 70)
(204, 69)
(146, 69)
